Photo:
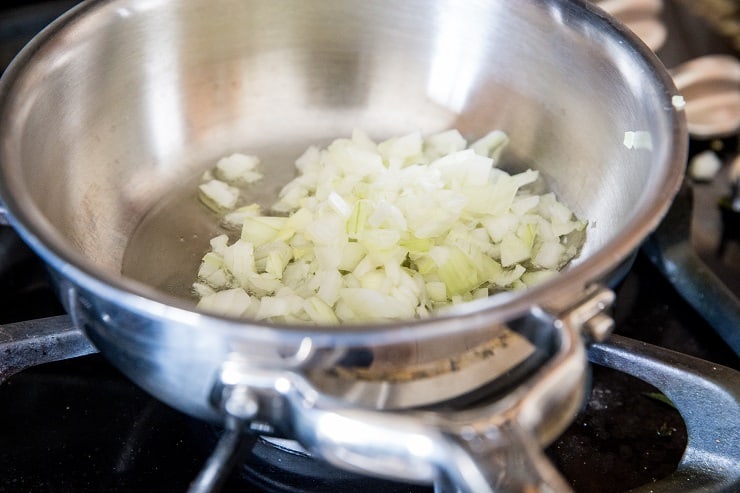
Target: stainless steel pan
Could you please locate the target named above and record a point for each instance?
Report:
(109, 116)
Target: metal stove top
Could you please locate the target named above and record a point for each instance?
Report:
(78, 425)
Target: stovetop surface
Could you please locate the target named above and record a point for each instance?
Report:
(79, 425)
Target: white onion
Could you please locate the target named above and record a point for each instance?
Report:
(377, 232)
(238, 168)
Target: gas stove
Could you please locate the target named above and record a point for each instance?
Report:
(79, 425)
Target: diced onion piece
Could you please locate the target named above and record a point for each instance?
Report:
(537, 277)
(351, 255)
(514, 250)
(463, 169)
(218, 195)
(508, 276)
(231, 302)
(319, 311)
(212, 271)
(523, 205)
(330, 282)
(258, 230)
(202, 289)
(443, 143)
(455, 269)
(278, 306)
(339, 205)
(263, 284)
(549, 255)
(368, 304)
(402, 151)
(491, 145)
(436, 290)
(219, 244)
(238, 168)
(239, 261)
(235, 218)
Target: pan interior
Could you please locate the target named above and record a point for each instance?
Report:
(109, 162)
(166, 246)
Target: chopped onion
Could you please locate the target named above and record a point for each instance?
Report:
(231, 302)
(381, 231)
(238, 168)
(218, 195)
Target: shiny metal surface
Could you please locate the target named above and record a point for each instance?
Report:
(493, 445)
(108, 116)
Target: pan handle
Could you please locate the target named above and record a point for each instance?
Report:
(508, 460)
(430, 449)
(456, 452)
(707, 396)
(34, 342)
(494, 446)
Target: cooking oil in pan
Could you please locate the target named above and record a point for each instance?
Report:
(166, 247)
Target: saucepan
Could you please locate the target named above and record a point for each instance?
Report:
(111, 114)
